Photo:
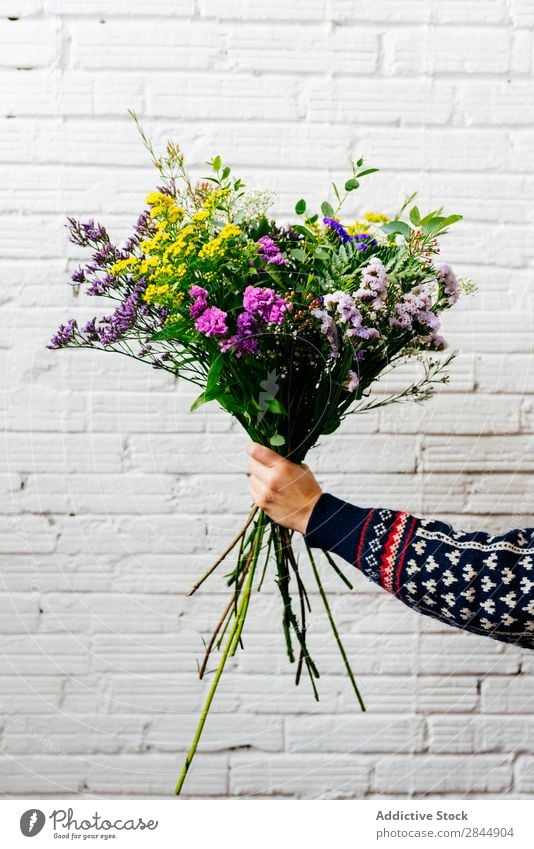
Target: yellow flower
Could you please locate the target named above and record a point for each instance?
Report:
(123, 265)
(357, 227)
(216, 247)
(376, 217)
(163, 294)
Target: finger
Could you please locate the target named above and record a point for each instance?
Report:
(264, 455)
(260, 472)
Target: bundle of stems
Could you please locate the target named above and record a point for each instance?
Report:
(261, 542)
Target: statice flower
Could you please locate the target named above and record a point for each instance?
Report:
(363, 241)
(100, 286)
(447, 278)
(123, 319)
(415, 308)
(64, 334)
(200, 302)
(373, 286)
(90, 331)
(265, 304)
(348, 314)
(352, 382)
(338, 228)
(329, 329)
(269, 251)
(83, 234)
(212, 322)
(244, 341)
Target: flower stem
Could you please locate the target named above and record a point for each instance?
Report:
(233, 640)
(335, 631)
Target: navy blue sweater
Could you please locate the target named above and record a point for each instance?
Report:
(474, 581)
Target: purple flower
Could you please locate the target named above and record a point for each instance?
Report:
(269, 250)
(352, 381)
(363, 241)
(84, 234)
(265, 304)
(328, 329)
(90, 331)
(337, 228)
(447, 279)
(347, 313)
(373, 285)
(101, 286)
(415, 308)
(123, 319)
(200, 303)
(212, 322)
(244, 341)
(64, 334)
(78, 276)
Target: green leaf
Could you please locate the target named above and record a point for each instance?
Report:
(351, 184)
(367, 171)
(298, 254)
(322, 254)
(300, 206)
(276, 406)
(359, 163)
(216, 164)
(277, 440)
(313, 219)
(198, 402)
(393, 227)
(304, 231)
(327, 209)
(415, 216)
(214, 373)
(226, 172)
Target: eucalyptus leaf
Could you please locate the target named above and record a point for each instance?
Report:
(216, 164)
(277, 440)
(351, 184)
(327, 209)
(393, 227)
(300, 207)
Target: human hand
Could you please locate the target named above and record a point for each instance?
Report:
(286, 491)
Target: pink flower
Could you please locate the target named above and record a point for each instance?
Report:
(212, 322)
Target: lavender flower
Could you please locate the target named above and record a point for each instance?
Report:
(265, 304)
(123, 319)
(269, 250)
(90, 331)
(64, 334)
(329, 329)
(85, 234)
(447, 279)
(373, 285)
(363, 241)
(338, 228)
(415, 308)
(212, 322)
(347, 313)
(352, 382)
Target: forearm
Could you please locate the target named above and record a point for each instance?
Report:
(472, 581)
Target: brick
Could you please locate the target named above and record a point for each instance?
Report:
(447, 50)
(442, 774)
(174, 44)
(286, 775)
(354, 734)
(508, 695)
(28, 44)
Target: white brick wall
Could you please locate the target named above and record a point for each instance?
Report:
(113, 497)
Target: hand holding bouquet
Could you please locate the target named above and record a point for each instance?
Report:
(287, 328)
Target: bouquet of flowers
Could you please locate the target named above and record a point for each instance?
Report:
(287, 328)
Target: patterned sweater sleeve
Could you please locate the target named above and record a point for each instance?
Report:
(473, 581)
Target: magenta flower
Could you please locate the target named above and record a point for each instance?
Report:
(212, 322)
(200, 302)
(265, 304)
(269, 250)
